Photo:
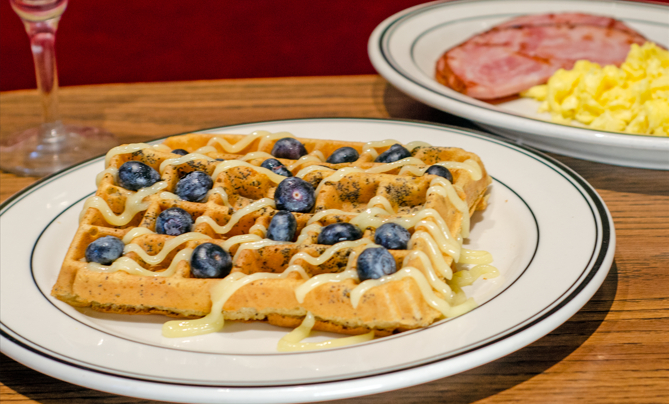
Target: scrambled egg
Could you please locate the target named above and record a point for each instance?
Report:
(632, 99)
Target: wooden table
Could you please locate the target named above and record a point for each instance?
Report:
(615, 349)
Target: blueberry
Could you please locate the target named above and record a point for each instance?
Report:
(392, 236)
(210, 261)
(276, 167)
(219, 159)
(104, 250)
(396, 152)
(343, 155)
(288, 148)
(440, 171)
(271, 163)
(374, 263)
(338, 232)
(282, 227)
(295, 194)
(194, 186)
(282, 170)
(135, 175)
(180, 152)
(173, 222)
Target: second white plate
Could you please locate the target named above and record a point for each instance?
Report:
(405, 48)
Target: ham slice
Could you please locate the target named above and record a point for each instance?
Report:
(567, 18)
(526, 51)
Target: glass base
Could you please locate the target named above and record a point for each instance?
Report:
(43, 150)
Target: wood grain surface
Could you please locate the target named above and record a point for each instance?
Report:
(614, 350)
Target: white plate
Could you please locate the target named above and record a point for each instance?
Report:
(405, 48)
(550, 234)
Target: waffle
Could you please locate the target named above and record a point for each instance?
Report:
(280, 281)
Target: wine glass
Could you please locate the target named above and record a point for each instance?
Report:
(53, 145)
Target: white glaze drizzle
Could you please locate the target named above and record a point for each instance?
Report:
(383, 201)
(292, 341)
(430, 297)
(302, 290)
(257, 205)
(304, 234)
(395, 164)
(318, 216)
(170, 245)
(469, 256)
(306, 170)
(162, 147)
(133, 205)
(369, 218)
(416, 143)
(468, 165)
(247, 140)
(221, 192)
(444, 188)
(220, 293)
(109, 170)
(442, 237)
(123, 149)
(337, 176)
(303, 160)
(134, 233)
(243, 238)
(206, 149)
(169, 195)
(436, 283)
(468, 277)
(254, 245)
(433, 252)
(370, 147)
(475, 257)
(258, 228)
(228, 164)
(133, 268)
(256, 155)
(329, 252)
(182, 160)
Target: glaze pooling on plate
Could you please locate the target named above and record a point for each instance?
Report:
(405, 47)
(527, 237)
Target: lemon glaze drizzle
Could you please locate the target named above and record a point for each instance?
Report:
(133, 268)
(258, 228)
(257, 205)
(133, 205)
(264, 137)
(167, 248)
(254, 245)
(306, 170)
(379, 202)
(469, 165)
(131, 148)
(134, 233)
(305, 159)
(221, 192)
(183, 159)
(293, 340)
(328, 253)
(169, 195)
(109, 170)
(220, 293)
(228, 164)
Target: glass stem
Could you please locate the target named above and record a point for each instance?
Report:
(42, 43)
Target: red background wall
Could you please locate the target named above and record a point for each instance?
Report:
(110, 41)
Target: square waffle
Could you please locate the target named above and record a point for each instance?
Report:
(280, 282)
